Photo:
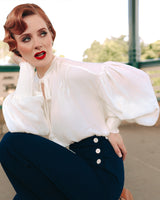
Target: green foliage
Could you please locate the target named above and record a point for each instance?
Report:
(4, 50)
(156, 81)
(92, 54)
(150, 51)
(116, 49)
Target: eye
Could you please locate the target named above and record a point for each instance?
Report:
(26, 39)
(43, 33)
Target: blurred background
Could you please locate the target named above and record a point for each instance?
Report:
(126, 31)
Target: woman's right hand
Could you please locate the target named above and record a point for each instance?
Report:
(17, 59)
(118, 144)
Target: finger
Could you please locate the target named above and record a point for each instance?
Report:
(124, 157)
(117, 150)
(123, 150)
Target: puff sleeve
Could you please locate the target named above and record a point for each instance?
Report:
(22, 109)
(127, 94)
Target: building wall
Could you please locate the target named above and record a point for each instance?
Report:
(8, 81)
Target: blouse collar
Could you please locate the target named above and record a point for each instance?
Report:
(48, 71)
(45, 79)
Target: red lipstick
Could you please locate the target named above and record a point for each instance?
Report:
(40, 55)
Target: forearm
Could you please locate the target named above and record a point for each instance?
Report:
(25, 80)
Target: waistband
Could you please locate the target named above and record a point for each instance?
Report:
(89, 141)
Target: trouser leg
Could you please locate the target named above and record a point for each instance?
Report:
(16, 197)
(34, 187)
(27, 179)
(47, 170)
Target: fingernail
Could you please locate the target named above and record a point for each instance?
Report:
(120, 155)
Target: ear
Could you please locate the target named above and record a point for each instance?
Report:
(53, 36)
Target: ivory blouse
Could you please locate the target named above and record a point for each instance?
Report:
(81, 100)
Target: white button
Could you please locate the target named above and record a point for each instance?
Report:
(98, 161)
(98, 150)
(95, 140)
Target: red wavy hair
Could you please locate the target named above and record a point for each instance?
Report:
(16, 25)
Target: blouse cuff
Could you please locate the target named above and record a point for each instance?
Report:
(25, 80)
(113, 124)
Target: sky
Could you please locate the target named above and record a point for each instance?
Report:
(79, 22)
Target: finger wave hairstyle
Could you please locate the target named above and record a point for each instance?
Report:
(16, 25)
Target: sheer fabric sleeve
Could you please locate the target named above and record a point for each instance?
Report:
(22, 110)
(127, 94)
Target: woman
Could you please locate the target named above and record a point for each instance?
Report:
(64, 141)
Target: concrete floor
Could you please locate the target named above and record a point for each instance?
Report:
(142, 165)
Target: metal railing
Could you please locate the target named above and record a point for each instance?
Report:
(140, 64)
(9, 68)
(149, 63)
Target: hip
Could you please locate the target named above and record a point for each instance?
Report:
(100, 155)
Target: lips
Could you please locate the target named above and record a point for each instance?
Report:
(40, 55)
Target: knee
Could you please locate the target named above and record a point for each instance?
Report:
(6, 139)
(4, 144)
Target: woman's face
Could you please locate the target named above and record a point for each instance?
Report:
(35, 43)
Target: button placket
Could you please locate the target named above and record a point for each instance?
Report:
(97, 150)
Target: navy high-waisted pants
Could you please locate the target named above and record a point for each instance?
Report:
(40, 169)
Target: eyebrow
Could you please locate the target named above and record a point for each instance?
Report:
(26, 34)
(42, 29)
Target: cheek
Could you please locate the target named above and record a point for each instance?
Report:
(24, 50)
(48, 42)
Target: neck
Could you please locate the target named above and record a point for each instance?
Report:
(42, 70)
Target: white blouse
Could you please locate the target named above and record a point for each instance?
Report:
(81, 100)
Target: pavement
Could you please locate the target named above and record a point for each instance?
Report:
(142, 164)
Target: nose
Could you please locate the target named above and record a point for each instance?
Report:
(37, 43)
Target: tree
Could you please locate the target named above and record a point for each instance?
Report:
(150, 51)
(115, 49)
(4, 50)
(92, 54)
(156, 48)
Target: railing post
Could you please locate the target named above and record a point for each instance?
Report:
(134, 42)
